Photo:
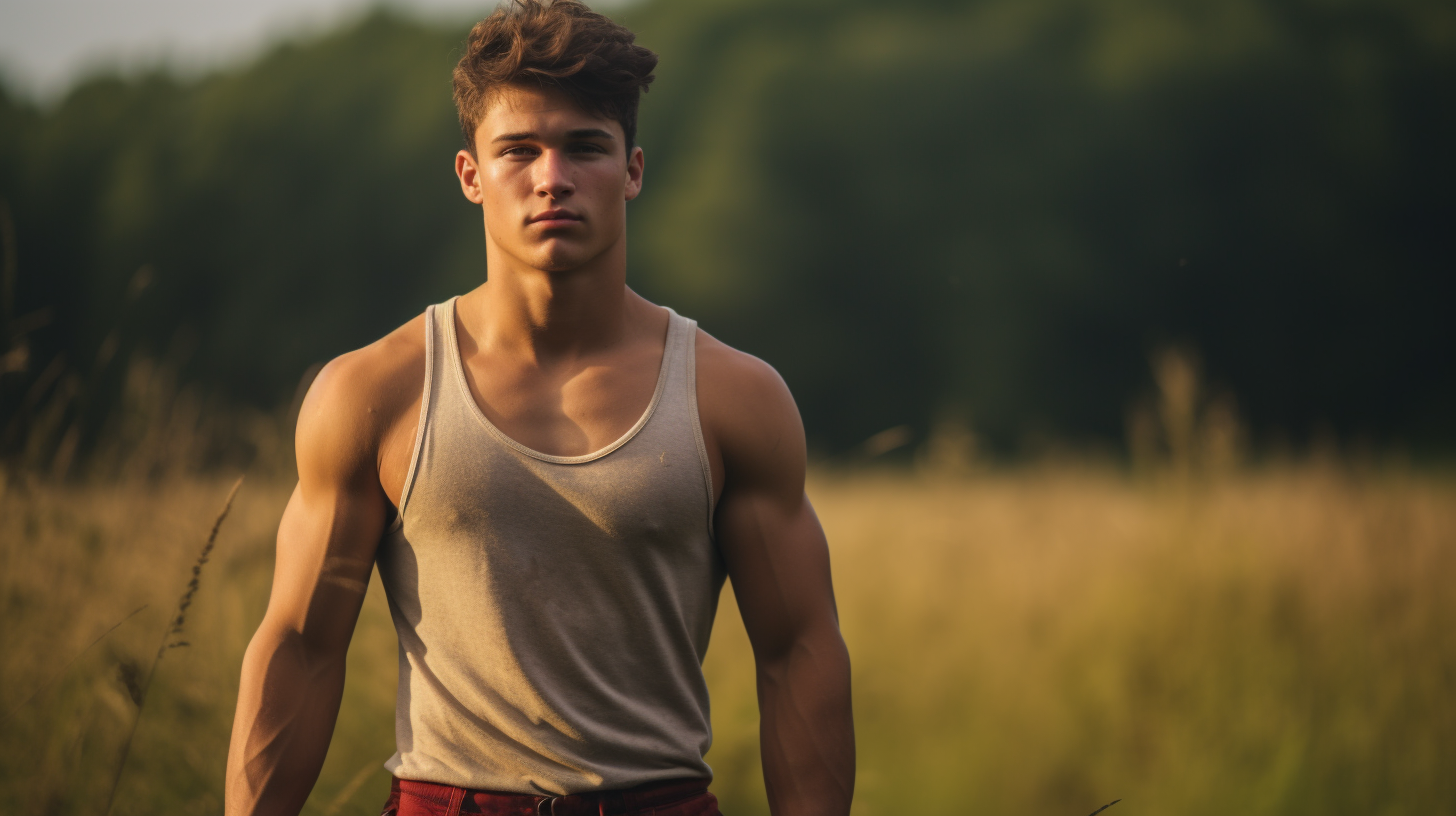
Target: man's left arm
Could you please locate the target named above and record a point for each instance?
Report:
(778, 561)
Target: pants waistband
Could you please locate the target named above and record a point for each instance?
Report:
(594, 803)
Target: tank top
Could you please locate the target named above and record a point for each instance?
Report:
(553, 612)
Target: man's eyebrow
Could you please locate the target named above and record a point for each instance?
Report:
(588, 133)
(579, 133)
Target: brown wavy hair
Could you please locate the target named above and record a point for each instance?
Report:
(561, 44)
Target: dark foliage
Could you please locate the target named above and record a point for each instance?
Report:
(995, 209)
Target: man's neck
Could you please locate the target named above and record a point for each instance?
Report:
(548, 316)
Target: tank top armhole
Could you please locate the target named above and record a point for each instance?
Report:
(697, 420)
(409, 479)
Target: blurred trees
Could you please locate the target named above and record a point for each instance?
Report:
(986, 211)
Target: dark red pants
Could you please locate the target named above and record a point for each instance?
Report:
(681, 798)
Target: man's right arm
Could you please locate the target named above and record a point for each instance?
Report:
(293, 671)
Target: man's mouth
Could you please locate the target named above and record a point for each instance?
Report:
(555, 218)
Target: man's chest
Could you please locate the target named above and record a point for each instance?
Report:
(575, 411)
(571, 411)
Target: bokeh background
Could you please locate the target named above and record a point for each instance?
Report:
(1121, 330)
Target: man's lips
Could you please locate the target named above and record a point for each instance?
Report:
(555, 218)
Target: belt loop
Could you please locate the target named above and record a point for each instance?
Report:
(457, 796)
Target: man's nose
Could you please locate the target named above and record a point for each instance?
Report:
(554, 179)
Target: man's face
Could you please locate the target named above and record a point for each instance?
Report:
(553, 180)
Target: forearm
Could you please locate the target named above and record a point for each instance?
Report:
(806, 728)
(288, 701)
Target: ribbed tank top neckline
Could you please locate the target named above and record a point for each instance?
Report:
(462, 386)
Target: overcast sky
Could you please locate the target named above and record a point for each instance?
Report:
(46, 44)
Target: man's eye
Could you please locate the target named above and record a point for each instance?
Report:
(587, 147)
(519, 151)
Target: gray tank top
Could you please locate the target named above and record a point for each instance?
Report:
(553, 611)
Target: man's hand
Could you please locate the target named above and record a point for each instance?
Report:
(778, 561)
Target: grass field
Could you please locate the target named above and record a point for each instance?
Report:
(1037, 641)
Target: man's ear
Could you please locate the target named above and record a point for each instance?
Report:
(636, 164)
(468, 171)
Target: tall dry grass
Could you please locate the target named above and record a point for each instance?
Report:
(1044, 642)
(1039, 641)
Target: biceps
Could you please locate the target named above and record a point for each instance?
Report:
(778, 560)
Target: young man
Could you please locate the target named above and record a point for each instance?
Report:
(554, 476)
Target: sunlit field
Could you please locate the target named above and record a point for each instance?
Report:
(1033, 641)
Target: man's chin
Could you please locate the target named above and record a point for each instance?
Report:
(558, 263)
(554, 256)
(558, 258)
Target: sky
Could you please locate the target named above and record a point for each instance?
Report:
(45, 45)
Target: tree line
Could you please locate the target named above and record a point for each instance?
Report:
(991, 211)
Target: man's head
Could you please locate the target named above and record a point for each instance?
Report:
(548, 103)
(560, 45)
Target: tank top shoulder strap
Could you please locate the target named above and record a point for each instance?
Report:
(454, 407)
(675, 391)
(427, 401)
(681, 397)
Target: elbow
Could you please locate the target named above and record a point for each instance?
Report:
(818, 649)
(283, 648)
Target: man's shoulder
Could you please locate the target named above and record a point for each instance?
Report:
(358, 396)
(746, 406)
(386, 371)
(732, 374)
